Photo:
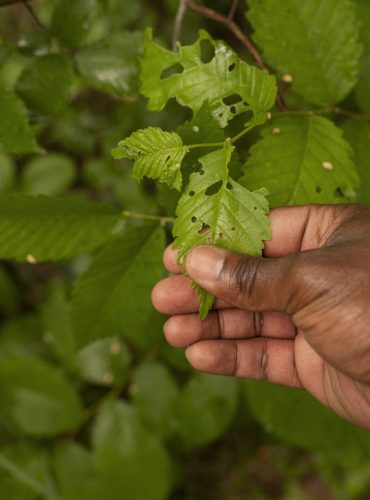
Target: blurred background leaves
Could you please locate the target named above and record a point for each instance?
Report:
(94, 404)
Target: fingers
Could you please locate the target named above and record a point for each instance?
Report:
(258, 359)
(174, 295)
(255, 284)
(184, 330)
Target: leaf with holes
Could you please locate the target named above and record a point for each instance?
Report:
(302, 41)
(230, 85)
(157, 155)
(302, 160)
(216, 210)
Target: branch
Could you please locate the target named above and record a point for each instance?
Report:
(33, 14)
(178, 23)
(233, 9)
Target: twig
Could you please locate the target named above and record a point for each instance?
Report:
(350, 114)
(33, 14)
(233, 9)
(126, 214)
(238, 33)
(178, 23)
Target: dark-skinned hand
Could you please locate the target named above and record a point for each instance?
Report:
(299, 316)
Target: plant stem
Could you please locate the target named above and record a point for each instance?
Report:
(233, 9)
(220, 144)
(33, 14)
(178, 23)
(158, 218)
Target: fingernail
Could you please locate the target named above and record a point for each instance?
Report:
(205, 263)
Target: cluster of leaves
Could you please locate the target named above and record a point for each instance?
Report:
(91, 397)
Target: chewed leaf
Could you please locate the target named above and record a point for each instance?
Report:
(230, 85)
(216, 210)
(157, 155)
(206, 300)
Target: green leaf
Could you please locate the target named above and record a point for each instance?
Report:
(76, 474)
(361, 91)
(155, 394)
(55, 315)
(302, 160)
(51, 175)
(34, 42)
(194, 82)
(124, 451)
(301, 40)
(7, 173)
(296, 417)
(104, 362)
(206, 409)
(41, 228)
(16, 135)
(36, 399)
(357, 134)
(113, 296)
(24, 472)
(46, 83)
(123, 13)
(72, 20)
(362, 94)
(157, 155)
(112, 65)
(22, 336)
(216, 210)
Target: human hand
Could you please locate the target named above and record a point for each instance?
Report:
(299, 316)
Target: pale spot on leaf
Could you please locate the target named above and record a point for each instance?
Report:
(115, 347)
(327, 165)
(31, 259)
(287, 78)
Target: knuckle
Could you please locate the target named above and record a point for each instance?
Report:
(242, 273)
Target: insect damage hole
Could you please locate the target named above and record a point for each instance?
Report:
(207, 51)
(214, 188)
(193, 220)
(175, 69)
(204, 229)
(338, 193)
(318, 189)
(192, 193)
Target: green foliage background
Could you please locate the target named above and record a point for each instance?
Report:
(93, 403)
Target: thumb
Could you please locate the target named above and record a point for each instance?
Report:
(254, 283)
